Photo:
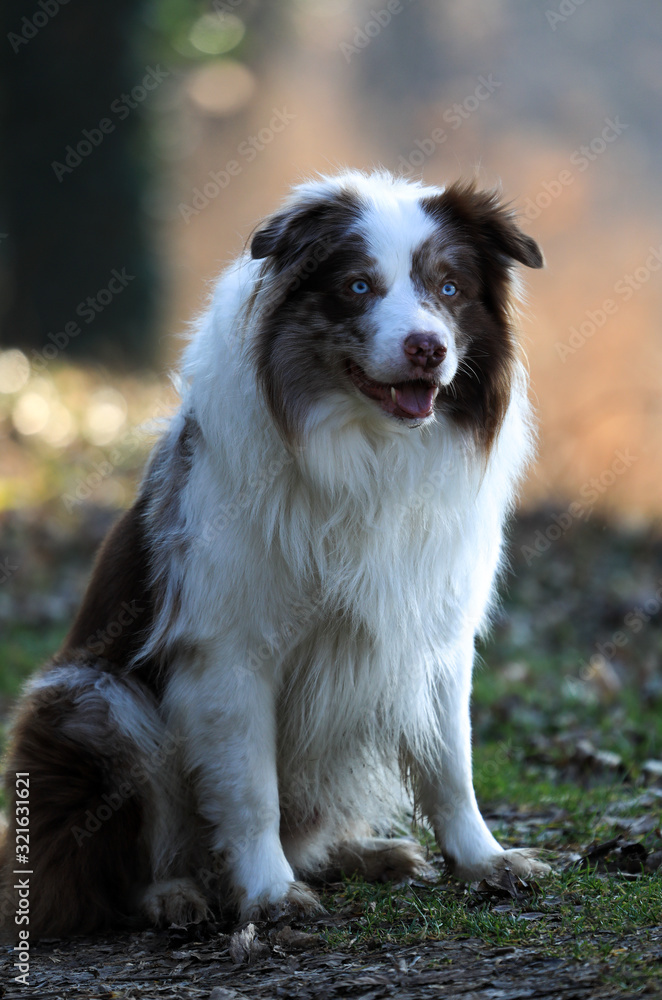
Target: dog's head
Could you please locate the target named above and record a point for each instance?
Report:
(393, 294)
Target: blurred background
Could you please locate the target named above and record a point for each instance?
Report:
(142, 141)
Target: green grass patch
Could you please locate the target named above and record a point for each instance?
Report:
(578, 915)
(22, 650)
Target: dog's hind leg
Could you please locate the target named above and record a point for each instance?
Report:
(378, 859)
(91, 745)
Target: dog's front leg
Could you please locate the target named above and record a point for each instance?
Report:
(446, 789)
(228, 717)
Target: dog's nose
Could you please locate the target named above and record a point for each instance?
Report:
(424, 350)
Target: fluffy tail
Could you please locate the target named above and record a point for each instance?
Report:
(78, 792)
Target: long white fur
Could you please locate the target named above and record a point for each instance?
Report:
(332, 593)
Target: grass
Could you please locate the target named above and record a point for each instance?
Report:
(22, 650)
(578, 914)
(581, 916)
(407, 915)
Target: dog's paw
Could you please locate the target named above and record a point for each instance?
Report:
(176, 901)
(522, 862)
(299, 901)
(381, 859)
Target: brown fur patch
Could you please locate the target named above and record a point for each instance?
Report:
(287, 236)
(308, 249)
(86, 853)
(166, 518)
(486, 224)
(121, 601)
(377, 859)
(118, 606)
(168, 473)
(479, 242)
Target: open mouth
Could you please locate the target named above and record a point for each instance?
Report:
(407, 400)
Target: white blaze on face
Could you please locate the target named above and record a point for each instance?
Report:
(395, 227)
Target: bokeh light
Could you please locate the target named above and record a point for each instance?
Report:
(31, 413)
(221, 88)
(215, 34)
(105, 416)
(14, 371)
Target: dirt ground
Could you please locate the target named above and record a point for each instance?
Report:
(264, 962)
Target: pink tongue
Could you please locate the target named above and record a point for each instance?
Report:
(414, 398)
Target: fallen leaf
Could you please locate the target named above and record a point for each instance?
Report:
(652, 771)
(293, 940)
(225, 993)
(245, 946)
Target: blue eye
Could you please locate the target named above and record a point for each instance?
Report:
(360, 287)
(449, 289)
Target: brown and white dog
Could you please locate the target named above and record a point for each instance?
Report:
(278, 636)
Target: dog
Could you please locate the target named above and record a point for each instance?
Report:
(273, 658)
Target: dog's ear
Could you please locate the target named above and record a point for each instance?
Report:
(490, 223)
(294, 230)
(284, 230)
